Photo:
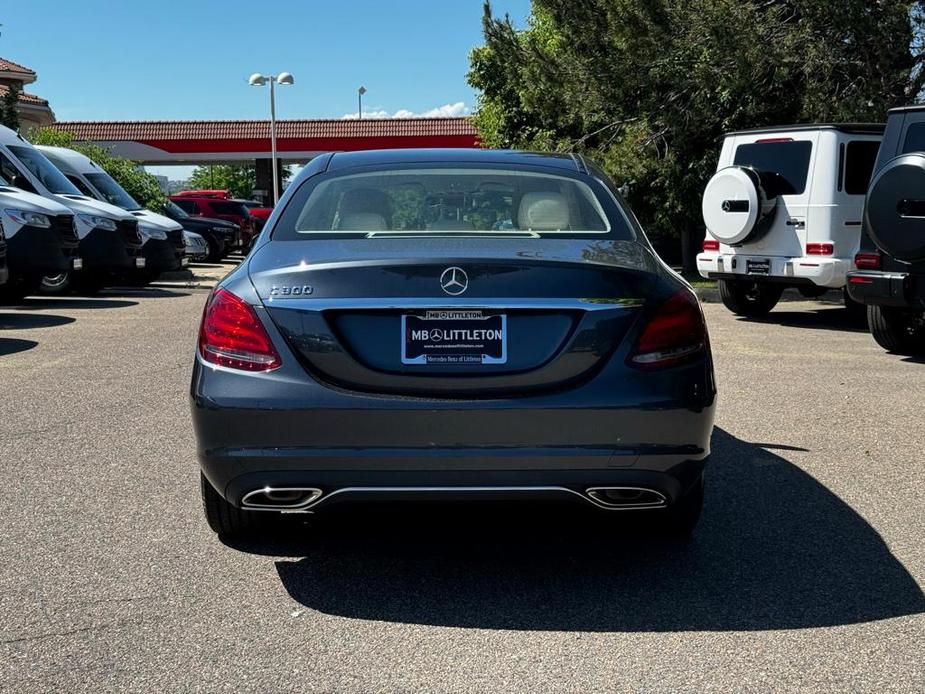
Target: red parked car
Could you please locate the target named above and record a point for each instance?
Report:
(258, 211)
(219, 208)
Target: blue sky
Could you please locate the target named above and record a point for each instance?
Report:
(163, 59)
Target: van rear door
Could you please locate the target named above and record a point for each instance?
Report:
(786, 163)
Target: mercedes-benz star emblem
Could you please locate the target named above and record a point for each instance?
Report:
(454, 281)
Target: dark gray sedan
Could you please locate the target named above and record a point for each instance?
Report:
(452, 324)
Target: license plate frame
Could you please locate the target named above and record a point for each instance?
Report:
(454, 337)
(758, 266)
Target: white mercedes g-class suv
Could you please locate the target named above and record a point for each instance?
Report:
(784, 210)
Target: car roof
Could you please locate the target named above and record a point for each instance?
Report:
(344, 160)
(852, 128)
(75, 161)
(906, 109)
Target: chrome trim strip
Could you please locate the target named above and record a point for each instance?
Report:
(314, 492)
(428, 490)
(661, 503)
(311, 303)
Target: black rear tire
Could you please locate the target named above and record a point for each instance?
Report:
(749, 299)
(897, 330)
(216, 250)
(857, 313)
(682, 517)
(225, 519)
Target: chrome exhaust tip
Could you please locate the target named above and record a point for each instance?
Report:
(281, 498)
(626, 497)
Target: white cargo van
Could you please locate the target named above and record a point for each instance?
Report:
(784, 210)
(108, 237)
(163, 245)
(39, 233)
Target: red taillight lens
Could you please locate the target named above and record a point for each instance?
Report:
(820, 249)
(710, 245)
(675, 334)
(868, 261)
(232, 335)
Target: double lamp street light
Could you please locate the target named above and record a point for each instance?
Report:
(258, 80)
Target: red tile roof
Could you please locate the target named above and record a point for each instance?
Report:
(10, 66)
(25, 97)
(256, 129)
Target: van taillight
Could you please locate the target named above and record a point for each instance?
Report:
(710, 245)
(820, 249)
(868, 261)
(675, 334)
(232, 335)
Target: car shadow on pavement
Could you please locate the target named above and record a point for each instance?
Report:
(817, 319)
(27, 321)
(141, 293)
(8, 346)
(774, 550)
(42, 302)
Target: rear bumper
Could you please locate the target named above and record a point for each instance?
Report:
(274, 431)
(820, 271)
(887, 288)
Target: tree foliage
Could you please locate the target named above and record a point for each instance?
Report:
(238, 179)
(9, 107)
(138, 183)
(647, 87)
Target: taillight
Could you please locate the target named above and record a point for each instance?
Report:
(710, 245)
(232, 335)
(868, 261)
(675, 334)
(820, 249)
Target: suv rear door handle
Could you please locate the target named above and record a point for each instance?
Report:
(798, 223)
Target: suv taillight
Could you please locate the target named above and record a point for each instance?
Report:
(675, 334)
(710, 245)
(868, 261)
(820, 249)
(232, 335)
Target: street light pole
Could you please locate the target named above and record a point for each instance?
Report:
(273, 140)
(258, 80)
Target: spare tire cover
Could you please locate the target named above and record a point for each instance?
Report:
(735, 205)
(894, 212)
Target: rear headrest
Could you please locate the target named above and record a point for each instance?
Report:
(365, 200)
(546, 211)
(362, 221)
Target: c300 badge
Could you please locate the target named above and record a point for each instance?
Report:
(295, 290)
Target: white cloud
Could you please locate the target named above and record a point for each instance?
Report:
(446, 111)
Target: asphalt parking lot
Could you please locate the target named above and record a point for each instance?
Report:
(806, 572)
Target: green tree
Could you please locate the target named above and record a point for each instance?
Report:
(142, 186)
(9, 107)
(648, 88)
(238, 179)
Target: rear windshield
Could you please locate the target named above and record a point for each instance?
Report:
(187, 206)
(915, 138)
(786, 162)
(460, 201)
(230, 208)
(859, 165)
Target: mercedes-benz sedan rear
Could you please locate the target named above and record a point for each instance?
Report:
(452, 324)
